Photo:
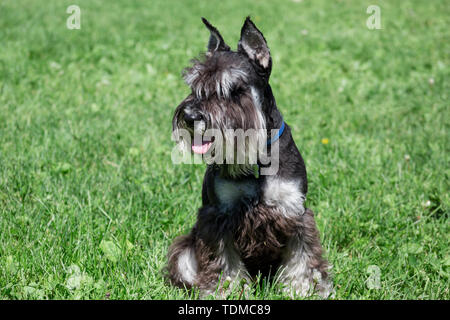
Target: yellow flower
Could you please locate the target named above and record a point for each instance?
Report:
(325, 141)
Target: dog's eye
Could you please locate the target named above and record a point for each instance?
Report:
(237, 90)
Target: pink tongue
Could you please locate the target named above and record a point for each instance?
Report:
(201, 148)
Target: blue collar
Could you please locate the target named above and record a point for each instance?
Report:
(278, 135)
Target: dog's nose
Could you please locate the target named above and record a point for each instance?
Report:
(190, 118)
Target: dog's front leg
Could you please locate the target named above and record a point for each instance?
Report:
(221, 273)
(206, 258)
(304, 270)
(220, 268)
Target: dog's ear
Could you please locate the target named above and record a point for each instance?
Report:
(254, 45)
(215, 42)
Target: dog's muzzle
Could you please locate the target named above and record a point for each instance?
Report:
(196, 124)
(191, 118)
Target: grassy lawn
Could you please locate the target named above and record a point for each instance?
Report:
(90, 200)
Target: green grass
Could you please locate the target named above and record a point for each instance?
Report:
(90, 201)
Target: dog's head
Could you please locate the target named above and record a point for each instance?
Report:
(228, 90)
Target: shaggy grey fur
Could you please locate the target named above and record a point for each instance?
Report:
(247, 224)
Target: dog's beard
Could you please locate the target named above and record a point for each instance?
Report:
(239, 131)
(192, 139)
(236, 150)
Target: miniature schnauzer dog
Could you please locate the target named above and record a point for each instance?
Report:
(249, 223)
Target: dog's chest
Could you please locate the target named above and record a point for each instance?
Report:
(230, 193)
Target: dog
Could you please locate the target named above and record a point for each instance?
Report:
(249, 224)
